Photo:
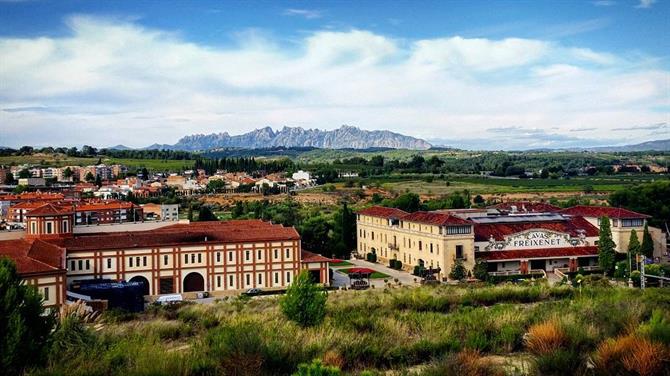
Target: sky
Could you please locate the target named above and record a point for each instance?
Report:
(468, 74)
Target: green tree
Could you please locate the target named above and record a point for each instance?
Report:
(344, 232)
(89, 177)
(9, 178)
(408, 202)
(481, 271)
(98, 180)
(647, 248)
(304, 301)
(458, 271)
(23, 174)
(190, 213)
(205, 214)
(24, 326)
(67, 173)
(238, 210)
(606, 255)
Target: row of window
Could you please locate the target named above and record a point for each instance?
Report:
(188, 258)
(49, 227)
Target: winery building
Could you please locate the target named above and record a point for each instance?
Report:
(512, 238)
(217, 257)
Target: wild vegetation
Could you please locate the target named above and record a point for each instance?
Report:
(414, 331)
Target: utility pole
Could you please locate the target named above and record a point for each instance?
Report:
(642, 279)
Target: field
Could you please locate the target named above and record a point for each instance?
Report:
(516, 330)
(59, 160)
(483, 185)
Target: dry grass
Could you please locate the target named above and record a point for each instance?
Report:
(633, 353)
(546, 337)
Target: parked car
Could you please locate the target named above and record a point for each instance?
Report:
(252, 292)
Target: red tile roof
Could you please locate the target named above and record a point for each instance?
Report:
(104, 205)
(32, 196)
(527, 207)
(601, 211)
(538, 253)
(435, 218)
(307, 256)
(36, 257)
(572, 226)
(183, 234)
(48, 210)
(382, 212)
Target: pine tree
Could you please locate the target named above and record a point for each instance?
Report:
(304, 302)
(647, 248)
(24, 327)
(606, 255)
(633, 244)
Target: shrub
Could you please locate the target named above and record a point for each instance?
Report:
(464, 363)
(658, 328)
(457, 271)
(316, 368)
(636, 276)
(544, 338)
(304, 301)
(371, 257)
(238, 348)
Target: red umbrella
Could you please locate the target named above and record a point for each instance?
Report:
(360, 270)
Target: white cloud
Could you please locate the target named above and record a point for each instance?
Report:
(309, 14)
(645, 4)
(111, 82)
(478, 54)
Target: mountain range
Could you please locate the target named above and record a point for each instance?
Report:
(341, 138)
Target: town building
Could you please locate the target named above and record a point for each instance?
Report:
(517, 238)
(217, 257)
(161, 212)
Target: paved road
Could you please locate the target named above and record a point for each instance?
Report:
(339, 279)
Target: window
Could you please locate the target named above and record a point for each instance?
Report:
(65, 226)
(218, 256)
(260, 279)
(276, 253)
(372, 235)
(276, 278)
(420, 245)
(632, 222)
(192, 258)
(109, 263)
(218, 281)
(230, 281)
(246, 255)
(130, 262)
(288, 277)
(230, 256)
(80, 265)
(50, 228)
(288, 253)
(459, 251)
(454, 230)
(72, 265)
(144, 261)
(248, 279)
(199, 257)
(260, 253)
(431, 247)
(137, 260)
(33, 227)
(165, 259)
(46, 293)
(88, 264)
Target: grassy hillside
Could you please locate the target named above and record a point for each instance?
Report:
(60, 160)
(418, 331)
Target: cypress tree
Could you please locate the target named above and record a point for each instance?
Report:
(647, 248)
(633, 244)
(606, 256)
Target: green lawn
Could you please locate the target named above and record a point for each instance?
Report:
(374, 275)
(343, 263)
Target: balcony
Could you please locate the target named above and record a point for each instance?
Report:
(393, 247)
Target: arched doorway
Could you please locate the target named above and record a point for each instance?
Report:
(194, 282)
(143, 281)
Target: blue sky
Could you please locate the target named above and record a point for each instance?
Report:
(494, 75)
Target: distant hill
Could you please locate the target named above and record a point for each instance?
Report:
(657, 145)
(341, 138)
(120, 147)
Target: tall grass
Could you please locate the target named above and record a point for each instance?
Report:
(442, 328)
